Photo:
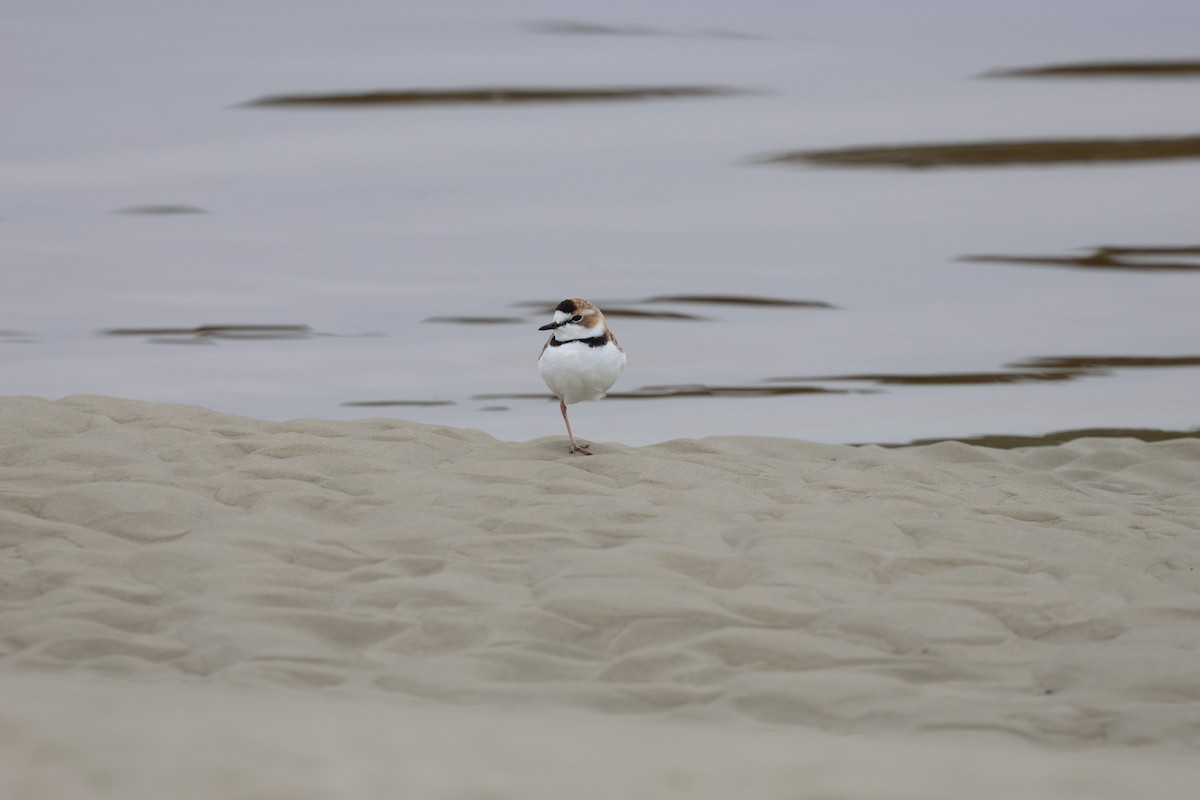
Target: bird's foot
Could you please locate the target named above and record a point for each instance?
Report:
(580, 448)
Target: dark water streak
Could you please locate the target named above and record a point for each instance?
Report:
(995, 153)
(222, 332)
(1108, 362)
(1104, 258)
(564, 27)
(1010, 442)
(487, 95)
(397, 403)
(476, 320)
(689, 390)
(161, 210)
(737, 300)
(1104, 69)
(953, 378)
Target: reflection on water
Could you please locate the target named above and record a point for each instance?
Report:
(1134, 259)
(1104, 69)
(490, 95)
(997, 153)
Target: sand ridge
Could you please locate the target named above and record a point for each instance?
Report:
(1048, 596)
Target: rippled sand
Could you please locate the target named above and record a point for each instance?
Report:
(197, 605)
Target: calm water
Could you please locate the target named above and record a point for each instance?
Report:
(139, 191)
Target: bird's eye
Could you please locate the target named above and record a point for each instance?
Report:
(576, 318)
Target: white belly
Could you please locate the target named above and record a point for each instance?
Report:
(576, 372)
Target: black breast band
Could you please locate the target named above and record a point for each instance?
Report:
(595, 341)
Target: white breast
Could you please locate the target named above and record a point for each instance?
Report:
(575, 372)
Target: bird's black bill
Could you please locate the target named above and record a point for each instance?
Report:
(550, 327)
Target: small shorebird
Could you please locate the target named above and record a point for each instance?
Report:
(581, 360)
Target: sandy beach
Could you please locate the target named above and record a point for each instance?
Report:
(194, 604)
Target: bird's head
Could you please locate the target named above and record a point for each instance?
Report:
(575, 318)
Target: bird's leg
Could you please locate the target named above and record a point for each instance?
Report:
(575, 448)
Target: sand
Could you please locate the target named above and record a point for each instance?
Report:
(194, 604)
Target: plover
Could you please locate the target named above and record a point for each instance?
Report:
(581, 360)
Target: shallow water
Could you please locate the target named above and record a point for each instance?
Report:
(394, 255)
